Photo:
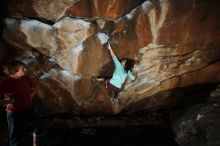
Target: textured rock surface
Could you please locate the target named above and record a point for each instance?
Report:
(56, 9)
(175, 45)
(199, 124)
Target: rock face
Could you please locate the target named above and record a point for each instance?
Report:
(175, 45)
(56, 9)
(199, 124)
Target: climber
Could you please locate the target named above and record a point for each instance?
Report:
(123, 68)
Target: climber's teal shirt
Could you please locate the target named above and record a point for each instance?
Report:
(120, 74)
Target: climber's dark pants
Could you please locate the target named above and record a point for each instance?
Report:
(112, 90)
